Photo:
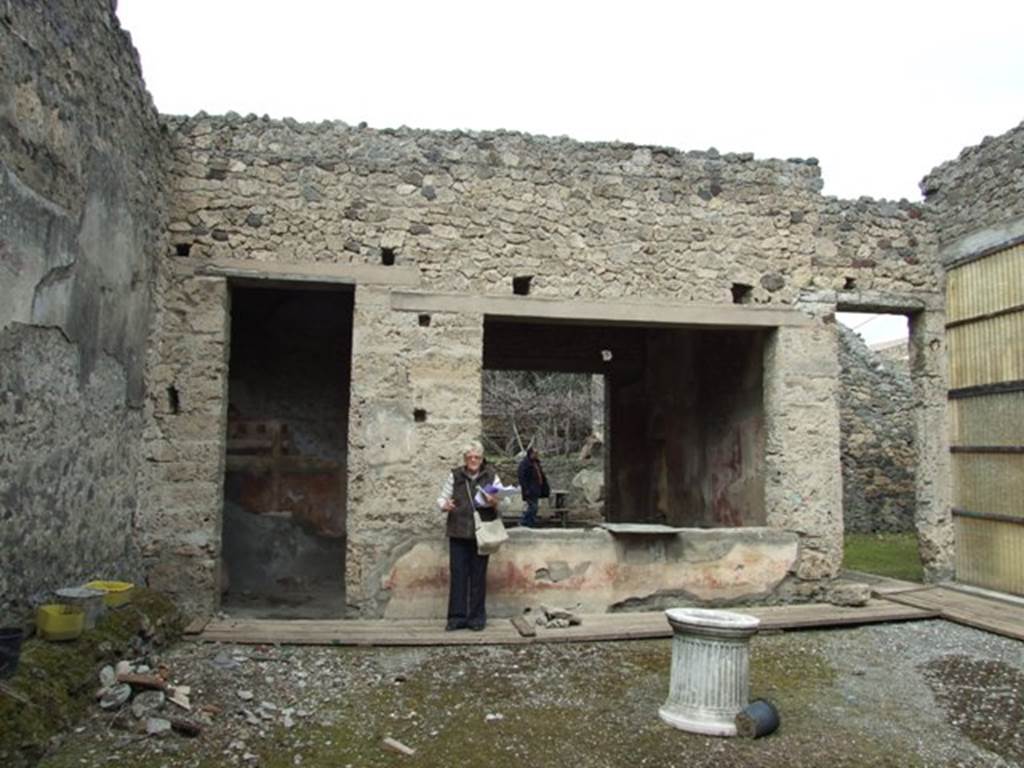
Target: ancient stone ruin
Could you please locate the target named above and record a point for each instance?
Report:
(240, 353)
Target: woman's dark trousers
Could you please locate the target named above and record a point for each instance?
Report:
(467, 591)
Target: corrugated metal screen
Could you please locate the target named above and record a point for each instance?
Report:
(986, 351)
(987, 285)
(985, 338)
(989, 482)
(989, 554)
(988, 420)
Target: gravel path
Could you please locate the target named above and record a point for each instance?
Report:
(915, 694)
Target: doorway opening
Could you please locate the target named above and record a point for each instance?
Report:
(878, 455)
(681, 415)
(285, 485)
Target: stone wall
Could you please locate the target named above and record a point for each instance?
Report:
(876, 413)
(458, 215)
(599, 572)
(82, 218)
(979, 197)
(977, 204)
(472, 210)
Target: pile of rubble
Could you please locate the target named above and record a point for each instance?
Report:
(150, 697)
(145, 690)
(557, 618)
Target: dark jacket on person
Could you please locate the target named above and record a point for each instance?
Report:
(532, 482)
(460, 523)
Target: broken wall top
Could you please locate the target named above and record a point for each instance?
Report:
(982, 188)
(588, 220)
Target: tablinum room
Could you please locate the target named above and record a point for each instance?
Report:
(684, 424)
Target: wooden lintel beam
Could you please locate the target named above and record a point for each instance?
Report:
(312, 272)
(591, 311)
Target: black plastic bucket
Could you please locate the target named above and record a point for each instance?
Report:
(10, 650)
(758, 718)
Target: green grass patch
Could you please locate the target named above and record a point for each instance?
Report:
(886, 554)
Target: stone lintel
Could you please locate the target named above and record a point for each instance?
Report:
(315, 272)
(595, 312)
(981, 243)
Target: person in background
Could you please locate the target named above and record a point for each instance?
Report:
(467, 585)
(534, 486)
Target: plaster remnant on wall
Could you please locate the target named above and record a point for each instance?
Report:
(82, 218)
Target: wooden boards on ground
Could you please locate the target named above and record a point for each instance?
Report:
(360, 632)
(594, 627)
(992, 615)
(639, 626)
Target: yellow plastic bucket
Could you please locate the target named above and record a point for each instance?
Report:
(60, 622)
(115, 593)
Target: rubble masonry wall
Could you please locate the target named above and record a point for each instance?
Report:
(982, 189)
(466, 212)
(82, 215)
(876, 411)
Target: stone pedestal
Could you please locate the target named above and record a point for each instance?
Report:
(710, 670)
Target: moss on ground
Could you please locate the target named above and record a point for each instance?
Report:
(55, 682)
(963, 687)
(586, 704)
(598, 714)
(886, 554)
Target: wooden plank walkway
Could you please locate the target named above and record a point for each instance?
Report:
(991, 614)
(594, 627)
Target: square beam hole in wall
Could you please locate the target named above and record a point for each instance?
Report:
(173, 399)
(387, 257)
(182, 249)
(521, 285)
(849, 284)
(742, 293)
(419, 415)
(424, 321)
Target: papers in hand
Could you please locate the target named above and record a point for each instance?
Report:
(494, 489)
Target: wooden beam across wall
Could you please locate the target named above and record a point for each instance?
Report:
(591, 311)
(312, 272)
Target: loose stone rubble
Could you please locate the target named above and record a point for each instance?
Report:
(557, 618)
(514, 705)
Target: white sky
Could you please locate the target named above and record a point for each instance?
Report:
(880, 92)
(875, 329)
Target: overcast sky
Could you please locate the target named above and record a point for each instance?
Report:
(879, 92)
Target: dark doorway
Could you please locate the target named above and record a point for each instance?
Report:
(285, 469)
(684, 426)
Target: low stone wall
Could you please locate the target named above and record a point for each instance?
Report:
(876, 405)
(596, 571)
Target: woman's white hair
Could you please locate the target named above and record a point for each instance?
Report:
(473, 446)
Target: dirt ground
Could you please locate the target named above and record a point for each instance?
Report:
(924, 693)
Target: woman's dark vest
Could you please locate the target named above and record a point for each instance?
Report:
(460, 523)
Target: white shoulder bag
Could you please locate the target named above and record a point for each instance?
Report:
(490, 534)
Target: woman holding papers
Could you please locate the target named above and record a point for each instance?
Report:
(461, 494)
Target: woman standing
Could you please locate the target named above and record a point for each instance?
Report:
(467, 587)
